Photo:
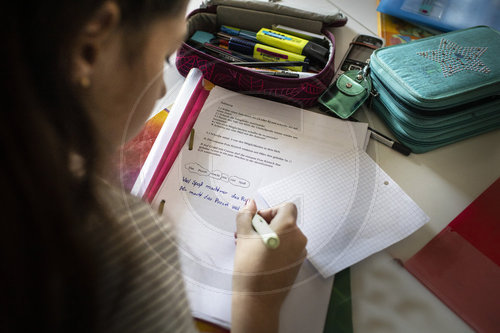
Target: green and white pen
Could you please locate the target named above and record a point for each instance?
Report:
(269, 237)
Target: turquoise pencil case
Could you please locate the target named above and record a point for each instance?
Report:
(439, 90)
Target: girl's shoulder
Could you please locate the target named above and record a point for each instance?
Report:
(141, 269)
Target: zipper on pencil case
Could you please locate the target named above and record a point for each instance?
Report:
(408, 138)
(478, 114)
(386, 101)
(399, 90)
(421, 113)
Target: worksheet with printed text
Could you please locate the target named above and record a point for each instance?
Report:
(241, 144)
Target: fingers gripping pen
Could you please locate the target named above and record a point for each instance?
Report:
(269, 237)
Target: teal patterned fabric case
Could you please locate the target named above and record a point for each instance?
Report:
(441, 89)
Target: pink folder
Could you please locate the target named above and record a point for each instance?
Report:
(181, 133)
(172, 136)
(461, 265)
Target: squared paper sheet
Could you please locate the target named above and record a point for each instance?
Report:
(349, 209)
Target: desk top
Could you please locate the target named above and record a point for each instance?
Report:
(385, 297)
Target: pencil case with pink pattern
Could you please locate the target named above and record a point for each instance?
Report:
(301, 91)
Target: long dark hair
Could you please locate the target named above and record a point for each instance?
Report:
(48, 277)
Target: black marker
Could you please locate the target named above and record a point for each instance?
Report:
(265, 64)
(384, 139)
(399, 147)
(376, 135)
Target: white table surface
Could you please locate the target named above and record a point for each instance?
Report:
(385, 297)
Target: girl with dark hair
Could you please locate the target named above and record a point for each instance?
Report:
(79, 79)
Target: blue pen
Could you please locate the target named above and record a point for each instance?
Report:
(235, 54)
(250, 35)
(275, 35)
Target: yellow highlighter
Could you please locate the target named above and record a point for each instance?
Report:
(294, 44)
(265, 53)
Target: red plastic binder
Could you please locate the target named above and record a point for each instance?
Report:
(461, 265)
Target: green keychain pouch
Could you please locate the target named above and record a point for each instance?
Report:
(347, 94)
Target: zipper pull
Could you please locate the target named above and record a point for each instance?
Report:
(366, 69)
(373, 94)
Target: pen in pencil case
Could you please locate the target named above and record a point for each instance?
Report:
(201, 40)
(250, 35)
(281, 73)
(213, 51)
(223, 43)
(217, 52)
(265, 53)
(235, 54)
(285, 74)
(320, 39)
(268, 64)
(224, 36)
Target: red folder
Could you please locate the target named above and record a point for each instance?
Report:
(461, 265)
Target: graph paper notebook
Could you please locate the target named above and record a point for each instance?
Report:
(349, 209)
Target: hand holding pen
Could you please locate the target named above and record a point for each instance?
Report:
(263, 276)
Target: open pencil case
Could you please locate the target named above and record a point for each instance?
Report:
(252, 16)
